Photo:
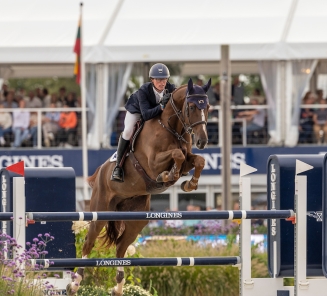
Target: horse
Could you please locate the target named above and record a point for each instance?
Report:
(158, 157)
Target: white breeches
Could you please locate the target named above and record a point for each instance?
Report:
(130, 120)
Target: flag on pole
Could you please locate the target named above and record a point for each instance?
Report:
(77, 50)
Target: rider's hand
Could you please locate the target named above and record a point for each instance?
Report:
(165, 99)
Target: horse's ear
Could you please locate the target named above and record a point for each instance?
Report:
(207, 86)
(190, 85)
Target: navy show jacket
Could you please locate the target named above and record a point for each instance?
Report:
(143, 101)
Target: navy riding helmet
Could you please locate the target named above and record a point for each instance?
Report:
(159, 71)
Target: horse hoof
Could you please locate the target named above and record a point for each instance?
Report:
(70, 291)
(163, 177)
(183, 186)
(115, 293)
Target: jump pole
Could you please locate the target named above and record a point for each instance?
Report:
(126, 262)
(131, 216)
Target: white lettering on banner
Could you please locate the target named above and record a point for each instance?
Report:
(273, 178)
(213, 160)
(113, 262)
(4, 200)
(41, 161)
(163, 215)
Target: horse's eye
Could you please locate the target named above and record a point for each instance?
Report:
(192, 108)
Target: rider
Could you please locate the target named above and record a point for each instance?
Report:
(146, 103)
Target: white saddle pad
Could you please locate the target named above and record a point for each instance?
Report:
(113, 157)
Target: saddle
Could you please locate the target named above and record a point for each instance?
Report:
(152, 186)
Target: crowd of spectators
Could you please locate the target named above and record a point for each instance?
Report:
(251, 120)
(313, 119)
(19, 127)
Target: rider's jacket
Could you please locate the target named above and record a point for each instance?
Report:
(143, 101)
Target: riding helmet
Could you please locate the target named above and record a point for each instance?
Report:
(159, 71)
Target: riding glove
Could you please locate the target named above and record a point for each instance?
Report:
(165, 99)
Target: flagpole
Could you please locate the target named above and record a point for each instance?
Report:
(83, 99)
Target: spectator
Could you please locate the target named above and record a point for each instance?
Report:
(67, 131)
(320, 123)
(21, 122)
(32, 132)
(255, 118)
(256, 95)
(54, 100)
(33, 101)
(71, 100)
(320, 94)
(5, 125)
(9, 100)
(237, 91)
(62, 95)
(50, 126)
(306, 119)
(46, 98)
(216, 92)
(4, 91)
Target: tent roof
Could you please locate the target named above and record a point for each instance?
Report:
(38, 31)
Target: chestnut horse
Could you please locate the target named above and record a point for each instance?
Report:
(163, 149)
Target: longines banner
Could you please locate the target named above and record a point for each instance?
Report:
(254, 156)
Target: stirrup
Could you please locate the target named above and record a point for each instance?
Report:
(117, 174)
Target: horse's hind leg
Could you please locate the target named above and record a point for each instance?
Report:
(131, 231)
(94, 230)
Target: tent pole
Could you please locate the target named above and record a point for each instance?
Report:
(225, 90)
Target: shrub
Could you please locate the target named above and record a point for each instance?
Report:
(17, 276)
(100, 276)
(197, 280)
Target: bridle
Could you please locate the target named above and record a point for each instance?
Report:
(188, 127)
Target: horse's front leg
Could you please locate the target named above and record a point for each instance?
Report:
(197, 162)
(94, 230)
(163, 158)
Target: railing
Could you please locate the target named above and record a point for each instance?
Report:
(217, 130)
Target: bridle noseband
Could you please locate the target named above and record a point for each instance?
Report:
(188, 127)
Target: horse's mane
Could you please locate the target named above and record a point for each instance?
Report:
(179, 88)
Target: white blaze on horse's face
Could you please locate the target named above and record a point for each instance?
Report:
(202, 115)
(200, 130)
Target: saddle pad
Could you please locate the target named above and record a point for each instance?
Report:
(113, 157)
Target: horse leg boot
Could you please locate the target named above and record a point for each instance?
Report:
(118, 172)
(72, 288)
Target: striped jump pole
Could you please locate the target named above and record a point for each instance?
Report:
(126, 262)
(123, 216)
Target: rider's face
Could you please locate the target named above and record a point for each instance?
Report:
(159, 84)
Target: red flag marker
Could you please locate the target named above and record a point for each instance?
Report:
(17, 168)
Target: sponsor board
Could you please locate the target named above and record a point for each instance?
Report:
(253, 156)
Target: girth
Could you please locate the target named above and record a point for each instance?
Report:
(152, 186)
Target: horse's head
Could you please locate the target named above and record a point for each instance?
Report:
(196, 108)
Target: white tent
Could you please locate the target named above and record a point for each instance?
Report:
(287, 37)
(38, 31)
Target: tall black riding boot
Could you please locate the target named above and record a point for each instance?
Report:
(118, 172)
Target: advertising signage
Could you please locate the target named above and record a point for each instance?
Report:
(254, 156)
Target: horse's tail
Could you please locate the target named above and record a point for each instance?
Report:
(114, 229)
(91, 180)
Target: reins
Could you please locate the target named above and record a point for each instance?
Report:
(188, 128)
